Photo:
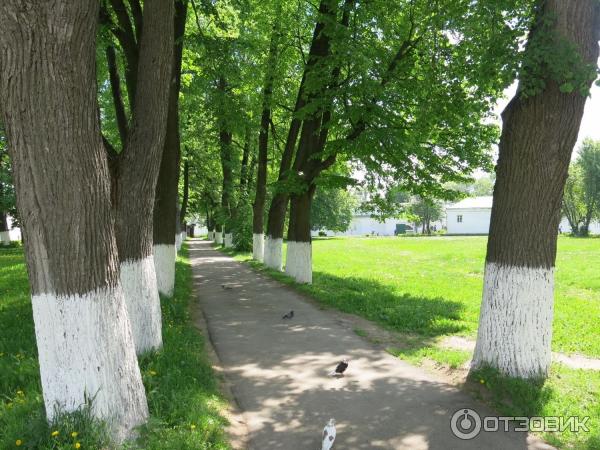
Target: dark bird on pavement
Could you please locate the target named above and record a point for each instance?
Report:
(224, 286)
(340, 369)
(289, 315)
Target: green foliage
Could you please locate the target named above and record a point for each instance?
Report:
(552, 58)
(7, 189)
(181, 387)
(241, 226)
(332, 209)
(581, 199)
(424, 211)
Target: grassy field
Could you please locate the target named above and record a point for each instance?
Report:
(183, 396)
(430, 288)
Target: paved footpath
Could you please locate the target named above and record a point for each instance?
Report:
(278, 372)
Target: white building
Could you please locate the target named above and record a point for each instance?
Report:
(364, 224)
(469, 216)
(472, 216)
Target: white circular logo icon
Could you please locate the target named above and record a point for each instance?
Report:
(465, 424)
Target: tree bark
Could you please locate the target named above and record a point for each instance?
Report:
(258, 207)
(4, 232)
(278, 208)
(307, 164)
(165, 206)
(138, 173)
(226, 150)
(539, 132)
(48, 94)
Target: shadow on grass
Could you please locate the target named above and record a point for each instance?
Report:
(425, 316)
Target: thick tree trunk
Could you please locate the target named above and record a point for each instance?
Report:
(299, 246)
(258, 207)
(165, 206)
(138, 173)
(539, 132)
(48, 96)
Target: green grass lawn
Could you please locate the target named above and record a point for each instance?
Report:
(183, 396)
(431, 288)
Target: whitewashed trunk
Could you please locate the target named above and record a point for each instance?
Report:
(258, 247)
(228, 241)
(183, 237)
(178, 241)
(5, 237)
(218, 238)
(164, 266)
(138, 279)
(298, 261)
(515, 323)
(86, 351)
(209, 236)
(273, 253)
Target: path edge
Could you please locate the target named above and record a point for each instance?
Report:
(237, 432)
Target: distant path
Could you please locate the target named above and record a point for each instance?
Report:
(278, 372)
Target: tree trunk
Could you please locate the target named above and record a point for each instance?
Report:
(48, 94)
(4, 231)
(258, 207)
(138, 173)
(165, 206)
(299, 249)
(277, 211)
(539, 132)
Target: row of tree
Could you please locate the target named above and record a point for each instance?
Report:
(266, 103)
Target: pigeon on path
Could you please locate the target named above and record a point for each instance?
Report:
(289, 315)
(328, 435)
(340, 369)
(224, 286)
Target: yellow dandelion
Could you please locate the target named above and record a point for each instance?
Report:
(77, 445)
(20, 393)
(74, 434)
(54, 433)
(482, 381)
(193, 427)
(152, 372)
(18, 442)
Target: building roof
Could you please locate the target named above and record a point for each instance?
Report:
(473, 203)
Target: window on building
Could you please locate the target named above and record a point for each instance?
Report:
(459, 219)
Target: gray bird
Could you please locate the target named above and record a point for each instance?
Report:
(224, 286)
(289, 315)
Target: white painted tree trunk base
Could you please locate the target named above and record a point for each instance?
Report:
(210, 236)
(515, 323)
(5, 237)
(164, 266)
(228, 241)
(273, 253)
(258, 246)
(298, 262)
(218, 237)
(178, 241)
(140, 287)
(86, 351)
